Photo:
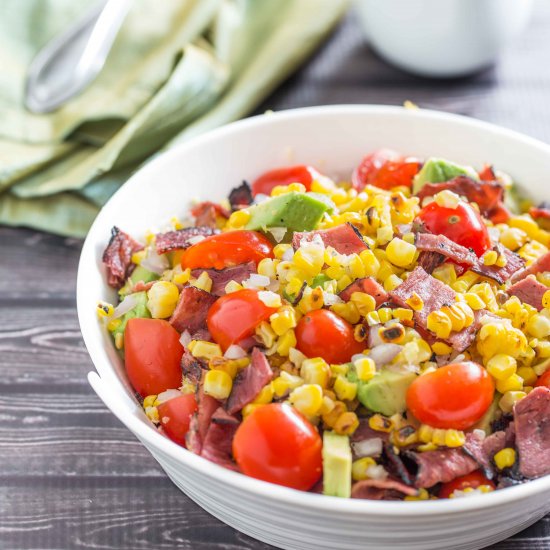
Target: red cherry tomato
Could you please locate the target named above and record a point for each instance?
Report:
(473, 480)
(226, 250)
(276, 443)
(544, 380)
(283, 176)
(454, 396)
(175, 415)
(234, 316)
(152, 355)
(385, 169)
(462, 224)
(322, 333)
(487, 173)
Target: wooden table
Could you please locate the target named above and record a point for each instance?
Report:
(71, 476)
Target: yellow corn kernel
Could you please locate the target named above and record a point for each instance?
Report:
(332, 416)
(345, 390)
(346, 423)
(445, 273)
(296, 357)
(415, 302)
(501, 366)
(355, 267)
(543, 349)
(509, 399)
(512, 383)
(513, 238)
(233, 286)
(363, 302)
(312, 299)
(315, 371)
(339, 369)
(494, 337)
(370, 262)
(307, 399)
(309, 259)
(203, 282)
(182, 277)
(268, 268)
(454, 438)
(422, 495)
(384, 234)
(265, 334)
(285, 342)
(528, 375)
(265, 396)
(294, 286)
(439, 323)
(149, 401)
(238, 219)
(425, 447)
(440, 348)
(490, 257)
(284, 189)
(113, 324)
(447, 199)
(152, 414)
(474, 301)
(425, 433)
(283, 320)
(280, 249)
(360, 333)
(347, 311)
(227, 365)
(525, 223)
(438, 437)
(104, 310)
(218, 384)
(404, 436)
(372, 318)
(501, 261)
(400, 252)
(335, 272)
(505, 458)
(359, 468)
(250, 408)
(380, 423)
(539, 326)
(456, 315)
(327, 406)
(365, 369)
(546, 299)
(162, 298)
(343, 282)
(204, 349)
(392, 282)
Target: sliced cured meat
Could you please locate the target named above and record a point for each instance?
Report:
(181, 239)
(381, 489)
(249, 382)
(539, 266)
(220, 277)
(192, 367)
(200, 422)
(500, 274)
(532, 424)
(218, 442)
(191, 309)
(205, 214)
(428, 261)
(367, 285)
(117, 257)
(345, 238)
(241, 196)
(444, 246)
(462, 339)
(530, 291)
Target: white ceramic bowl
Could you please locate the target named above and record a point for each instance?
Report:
(333, 139)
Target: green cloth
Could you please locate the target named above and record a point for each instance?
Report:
(176, 69)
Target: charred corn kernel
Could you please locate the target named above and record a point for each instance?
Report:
(501, 366)
(230, 366)
(440, 324)
(308, 399)
(404, 436)
(539, 326)
(113, 324)
(474, 301)
(490, 257)
(284, 189)
(372, 318)
(283, 320)
(345, 390)
(218, 384)
(512, 383)
(162, 298)
(238, 219)
(280, 249)
(400, 252)
(347, 311)
(250, 408)
(182, 277)
(393, 333)
(415, 302)
(447, 199)
(346, 423)
(104, 310)
(312, 299)
(149, 401)
(528, 375)
(363, 302)
(380, 423)
(509, 399)
(454, 438)
(392, 282)
(268, 268)
(285, 342)
(370, 263)
(440, 348)
(119, 341)
(359, 468)
(315, 371)
(505, 458)
(445, 273)
(204, 349)
(360, 333)
(152, 414)
(402, 314)
(332, 416)
(265, 396)
(425, 433)
(203, 282)
(365, 369)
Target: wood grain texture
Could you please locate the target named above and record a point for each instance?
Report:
(71, 476)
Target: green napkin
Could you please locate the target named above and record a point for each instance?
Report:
(176, 69)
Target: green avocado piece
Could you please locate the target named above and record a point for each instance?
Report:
(139, 274)
(139, 310)
(295, 211)
(319, 280)
(325, 199)
(336, 465)
(492, 413)
(437, 170)
(386, 393)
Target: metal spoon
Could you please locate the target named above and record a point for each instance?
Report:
(67, 64)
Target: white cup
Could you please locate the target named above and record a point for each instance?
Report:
(442, 38)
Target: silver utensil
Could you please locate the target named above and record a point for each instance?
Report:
(67, 64)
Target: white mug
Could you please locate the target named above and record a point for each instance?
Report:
(442, 38)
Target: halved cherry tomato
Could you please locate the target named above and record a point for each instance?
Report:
(152, 355)
(544, 380)
(234, 316)
(175, 415)
(276, 443)
(473, 480)
(283, 176)
(487, 173)
(322, 333)
(462, 224)
(227, 250)
(385, 169)
(454, 396)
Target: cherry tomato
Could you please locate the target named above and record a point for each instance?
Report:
(283, 176)
(487, 173)
(454, 396)
(544, 380)
(473, 480)
(175, 415)
(322, 333)
(462, 224)
(276, 443)
(234, 316)
(152, 355)
(227, 250)
(385, 169)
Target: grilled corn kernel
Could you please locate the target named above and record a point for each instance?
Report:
(509, 399)
(218, 384)
(404, 436)
(104, 310)
(438, 437)
(363, 302)
(440, 348)
(474, 301)
(204, 349)
(454, 438)
(346, 423)
(380, 423)
(285, 342)
(505, 458)
(312, 299)
(308, 399)
(415, 302)
(265, 334)
(343, 282)
(309, 259)
(327, 406)
(283, 320)
(149, 401)
(359, 468)
(365, 369)
(385, 314)
(360, 333)
(400, 252)
(425, 433)
(440, 324)
(268, 268)
(494, 337)
(347, 311)
(162, 298)
(425, 447)
(332, 416)
(512, 383)
(315, 371)
(238, 219)
(490, 257)
(402, 314)
(355, 267)
(265, 396)
(447, 199)
(539, 326)
(501, 261)
(528, 375)
(372, 318)
(501, 366)
(370, 262)
(345, 390)
(393, 333)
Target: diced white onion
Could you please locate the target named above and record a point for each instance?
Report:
(330, 299)
(479, 433)
(376, 472)
(270, 299)
(155, 262)
(256, 281)
(368, 447)
(196, 239)
(384, 353)
(287, 255)
(274, 286)
(167, 395)
(278, 233)
(130, 302)
(234, 352)
(185, 338)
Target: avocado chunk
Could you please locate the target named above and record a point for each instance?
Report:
(336, 465)
(437, 170)
(492, 413)
(319, 280)
(295, 211)
(139, 274)
(139, 310)
(386, 393)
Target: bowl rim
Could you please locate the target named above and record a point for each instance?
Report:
(152, 437)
